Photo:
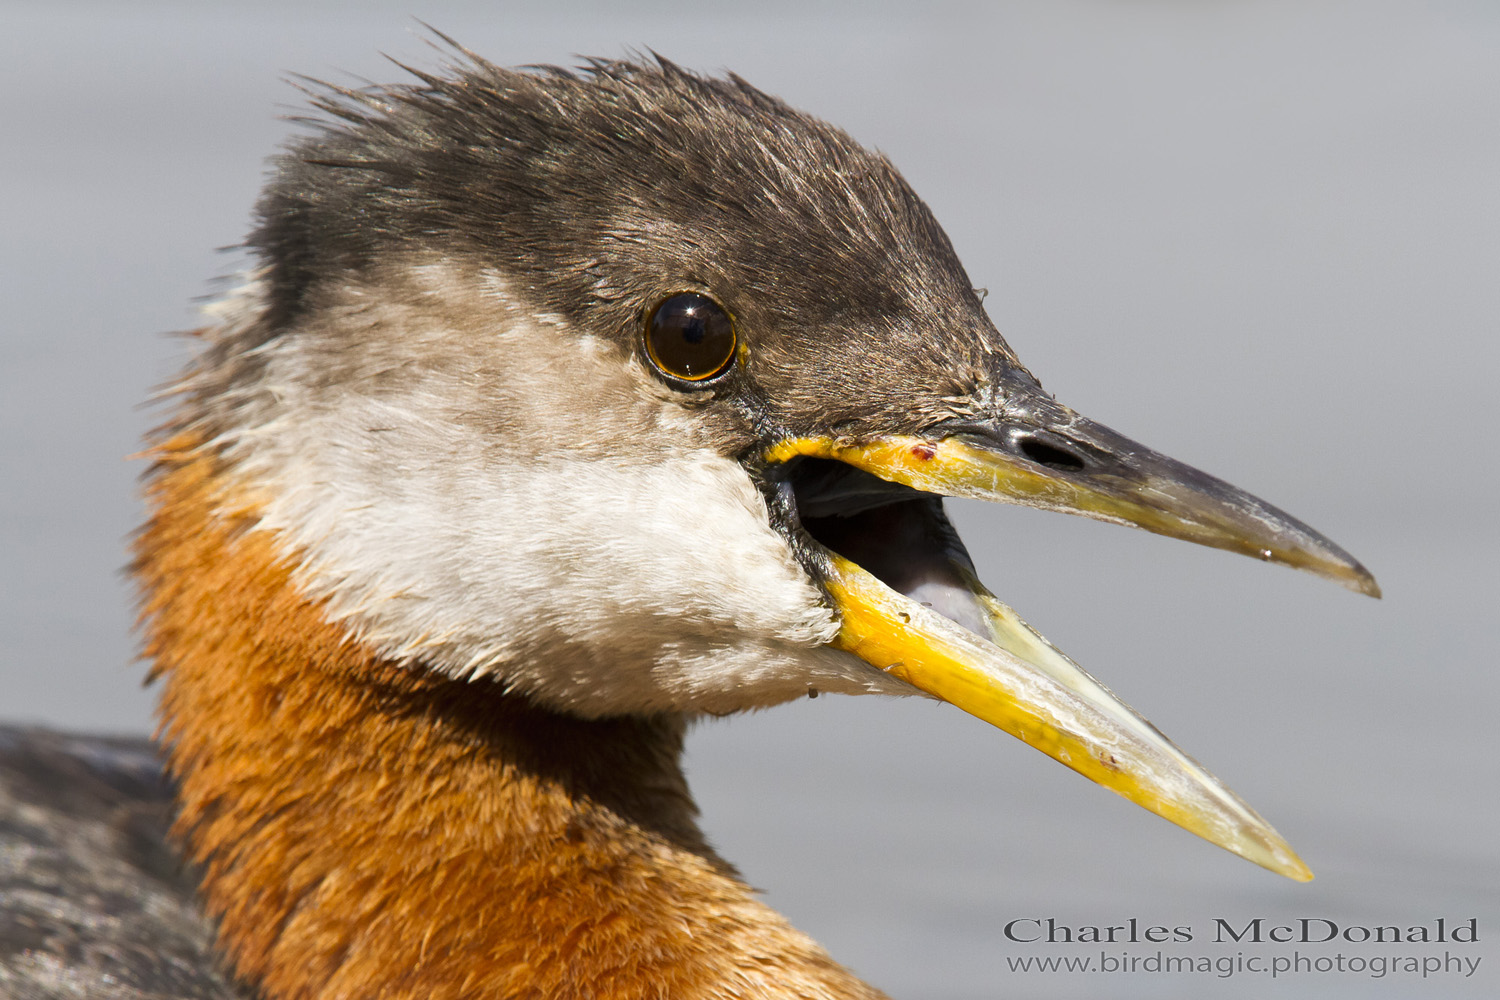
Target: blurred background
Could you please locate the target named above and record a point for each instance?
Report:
(1262, 237)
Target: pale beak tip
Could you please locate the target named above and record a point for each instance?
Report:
(1294, 869)
(1362, 581)
(1273, 854)
(1333, 563)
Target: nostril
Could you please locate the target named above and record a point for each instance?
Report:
(1051, 456)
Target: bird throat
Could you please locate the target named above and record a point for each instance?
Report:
(369, 828)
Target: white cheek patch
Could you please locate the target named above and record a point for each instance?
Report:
(441, 535)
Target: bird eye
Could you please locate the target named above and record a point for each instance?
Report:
(690, 337)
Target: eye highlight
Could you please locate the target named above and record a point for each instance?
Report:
(690, 337)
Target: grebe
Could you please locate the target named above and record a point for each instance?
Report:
(561, 408)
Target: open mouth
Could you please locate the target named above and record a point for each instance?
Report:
(866, 520)
(897, 534)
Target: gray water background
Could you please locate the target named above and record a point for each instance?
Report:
(1261, 237)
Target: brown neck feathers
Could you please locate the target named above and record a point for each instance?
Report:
(372, 830)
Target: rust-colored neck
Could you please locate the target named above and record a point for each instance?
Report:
(372, 830)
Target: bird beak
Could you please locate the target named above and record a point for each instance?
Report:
(1036, 452)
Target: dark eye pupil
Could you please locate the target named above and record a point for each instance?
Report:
(690, 337)
(693, 329)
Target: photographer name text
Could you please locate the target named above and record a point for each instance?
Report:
(1254, 930)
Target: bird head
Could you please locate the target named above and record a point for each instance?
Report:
(634, 391)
